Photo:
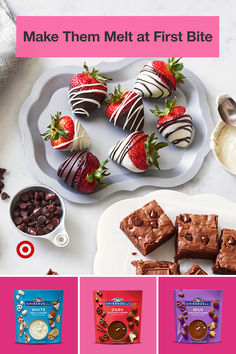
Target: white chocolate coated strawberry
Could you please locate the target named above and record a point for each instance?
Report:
(149, 84)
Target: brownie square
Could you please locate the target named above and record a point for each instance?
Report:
(148, 227)
(156, 268)
(195, 270)
(226, 258)
(197, 236)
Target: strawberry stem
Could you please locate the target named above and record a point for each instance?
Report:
(98, 174)
(151, 150)
(95, 74)
(54, 132)
(175, 67)
(116, 96)
(168, 108)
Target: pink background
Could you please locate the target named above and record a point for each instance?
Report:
(148, 329)
(167, 342)
(120, 24)
(69, 342)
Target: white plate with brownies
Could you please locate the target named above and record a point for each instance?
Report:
(167, 233)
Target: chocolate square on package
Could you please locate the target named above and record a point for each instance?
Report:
(197, 236)
(148, 227)
(156, 268)
(195, 270)
(226, 258)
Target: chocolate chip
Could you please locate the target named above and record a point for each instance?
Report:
(17, 220)
(180, 295)
(51, 207)
(4, 196)
(185, 313)
(57, 211)
(33, 217)
(97, 299)
(185, 326)
(40, 231)
(42, 219)
(186, 317)
(23, 205)
(154, 224)
(1, 185)
(31, 231)
(100, 305)
(180, 318)
(205, 240)
(25, 219)
(50, 196)
(21, 227)
(49, 227)
(138, 221)
(185, 218)
(2, 171)
(188, 237)
(24, 197)
(37, 211)
(45, 211)
(231, 240)
(184, 333)
(23, 213)
(36, 196)
(153, 214)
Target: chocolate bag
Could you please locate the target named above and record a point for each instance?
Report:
(38, 316)
(198, 315)
(117, 315)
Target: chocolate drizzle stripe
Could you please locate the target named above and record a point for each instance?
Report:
(126, 148)
(93, 97)
(183, 123)
(148, 78)
(68, 171)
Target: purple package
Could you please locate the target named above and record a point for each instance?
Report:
(198, 315)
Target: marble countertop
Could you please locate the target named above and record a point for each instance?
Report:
(217, 74)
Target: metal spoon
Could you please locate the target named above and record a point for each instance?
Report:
(227, 109)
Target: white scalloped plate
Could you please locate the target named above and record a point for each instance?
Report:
(50, 94)
(114, 250)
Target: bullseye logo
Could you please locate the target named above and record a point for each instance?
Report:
(25, 249)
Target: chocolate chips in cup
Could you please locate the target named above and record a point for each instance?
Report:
(37, 212)
(198, 315)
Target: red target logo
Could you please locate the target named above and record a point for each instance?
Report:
(25, 249)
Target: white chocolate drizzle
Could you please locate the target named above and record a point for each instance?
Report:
(75, 98)
(80, 141)
(133, 112)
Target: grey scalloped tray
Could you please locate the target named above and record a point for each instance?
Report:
(50, 94)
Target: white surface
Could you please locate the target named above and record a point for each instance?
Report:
(114, 249)
(217, 74)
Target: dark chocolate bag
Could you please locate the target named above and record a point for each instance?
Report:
(117, 315)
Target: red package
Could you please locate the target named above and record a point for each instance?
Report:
(117, 315)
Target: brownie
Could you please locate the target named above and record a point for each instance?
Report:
(197, 236)
(195, 270)
(148, 227)
(156, 268)
(226, 258)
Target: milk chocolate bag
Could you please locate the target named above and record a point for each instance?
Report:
(117, 315)
(198, 315)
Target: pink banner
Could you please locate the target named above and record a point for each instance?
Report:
(117, 36)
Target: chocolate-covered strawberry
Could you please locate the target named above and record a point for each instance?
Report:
(174, 124)
(66, 133)
(125, 109)
(83, 171)
(137, 151)
(159, 79)
(87, 91)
